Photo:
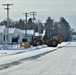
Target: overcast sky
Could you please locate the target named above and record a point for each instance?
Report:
(44, 8)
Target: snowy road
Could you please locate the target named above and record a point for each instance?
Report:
(47, 61)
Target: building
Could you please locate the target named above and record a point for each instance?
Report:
(14, 32)
(30, 33)
(2, 33)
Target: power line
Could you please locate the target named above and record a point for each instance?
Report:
(33, 13)
(7, 8)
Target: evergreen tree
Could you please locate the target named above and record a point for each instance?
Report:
(30, 24)
(56, 29)
(64, 28)
(49, 23)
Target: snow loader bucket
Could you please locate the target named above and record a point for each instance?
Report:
(25, 44)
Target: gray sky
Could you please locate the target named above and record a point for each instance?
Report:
(44, 8)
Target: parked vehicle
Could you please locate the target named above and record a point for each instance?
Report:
(51, 40)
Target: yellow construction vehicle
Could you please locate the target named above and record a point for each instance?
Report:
(48, 38)
(25, 43)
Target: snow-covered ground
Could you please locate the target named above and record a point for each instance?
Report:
(15, 49)
(13, 54)
(41, 60)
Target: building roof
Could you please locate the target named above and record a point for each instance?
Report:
(18, 30)
(2, 29)
(29, 32)
(12, 30)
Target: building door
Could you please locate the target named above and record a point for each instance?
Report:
(0, 39)
(5, 38)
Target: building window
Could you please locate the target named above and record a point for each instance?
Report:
(18, 36)
(4, 37)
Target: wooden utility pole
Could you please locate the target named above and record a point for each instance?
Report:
(26, 14)
(39, 30)
(33, 13)
(7, 8)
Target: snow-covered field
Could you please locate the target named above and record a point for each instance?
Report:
(41, 60)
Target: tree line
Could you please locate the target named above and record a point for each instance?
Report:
(62, 27)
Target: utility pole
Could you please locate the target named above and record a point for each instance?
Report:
(39, 29)
(26, 14)
(33, 13)
(7, 8)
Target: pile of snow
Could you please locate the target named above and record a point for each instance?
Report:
(63, 44)
(16, 49)
(4, 47)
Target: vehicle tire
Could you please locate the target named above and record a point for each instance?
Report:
(38, 42)
(52, 43)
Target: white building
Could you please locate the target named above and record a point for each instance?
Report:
(14, 32)
(30, 33)
(2, 33)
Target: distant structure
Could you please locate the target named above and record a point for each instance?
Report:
(14, 32)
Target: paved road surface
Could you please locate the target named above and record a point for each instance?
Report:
(59, 62)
